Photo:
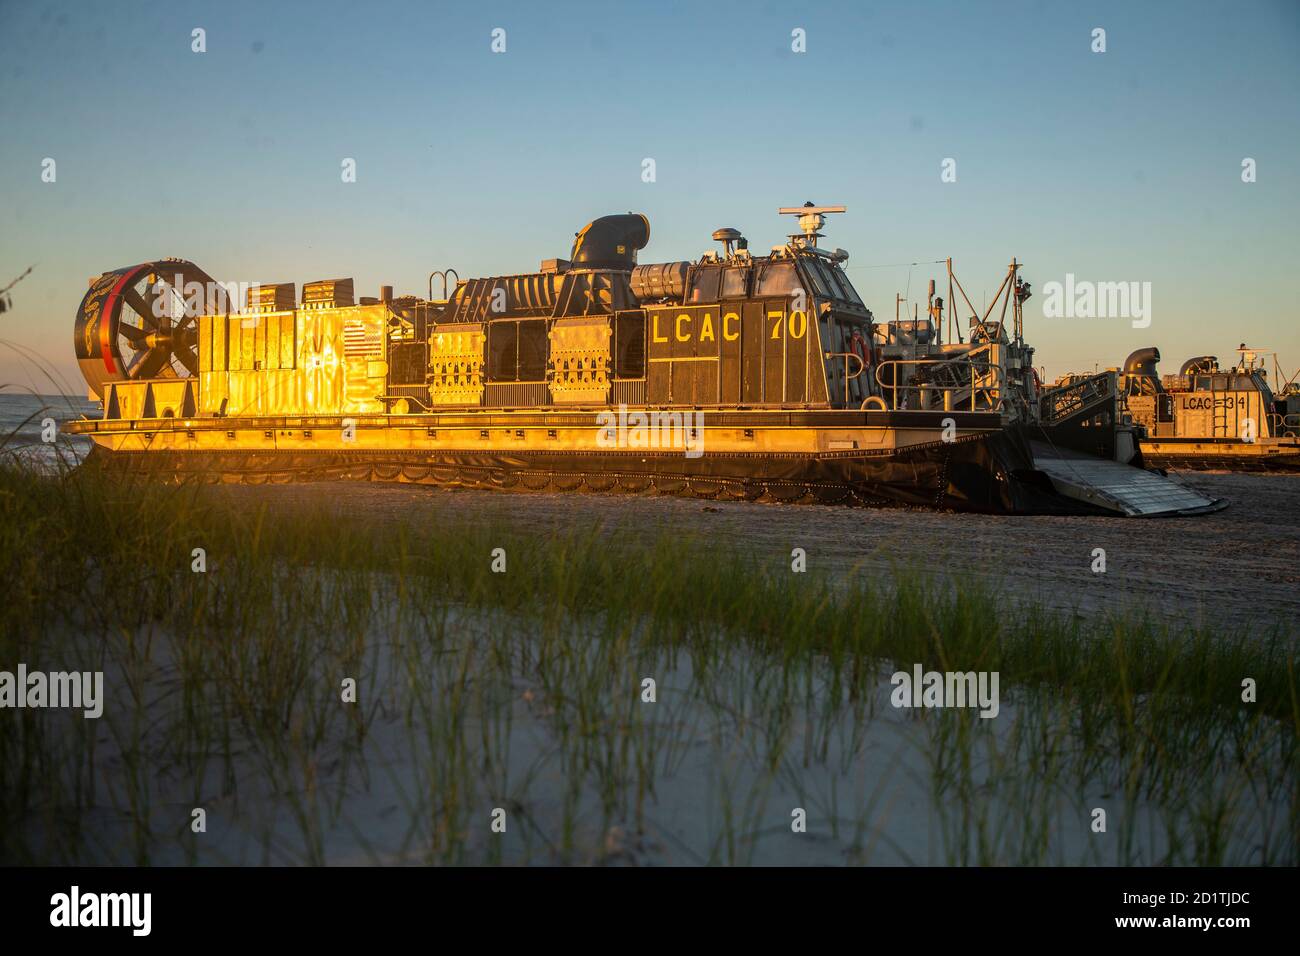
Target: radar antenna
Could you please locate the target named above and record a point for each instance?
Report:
(811, 220)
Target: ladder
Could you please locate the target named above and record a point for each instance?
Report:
(1218, 412)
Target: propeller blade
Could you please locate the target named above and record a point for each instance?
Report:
(152, 295)
(135, 334)
(142, 308)
(149, 364)
(189, 358)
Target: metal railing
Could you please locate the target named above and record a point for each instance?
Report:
(974, 386)
(1060, 403)
(849, 376)
(1283, 426)
(445, 274)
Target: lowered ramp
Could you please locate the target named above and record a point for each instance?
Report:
(1123, 489)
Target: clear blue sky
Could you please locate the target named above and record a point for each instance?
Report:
(1117, 166)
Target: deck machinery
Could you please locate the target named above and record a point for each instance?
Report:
(732, 376)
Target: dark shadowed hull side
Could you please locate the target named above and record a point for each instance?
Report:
(991, 473)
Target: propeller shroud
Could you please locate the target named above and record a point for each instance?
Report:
(134, 323)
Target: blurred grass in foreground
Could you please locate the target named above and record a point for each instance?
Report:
(95, 573)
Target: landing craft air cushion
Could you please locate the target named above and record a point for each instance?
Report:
(1210, 417)
(734, 376)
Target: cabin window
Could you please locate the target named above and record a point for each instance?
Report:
(778, 279)
(850, 293)
(734, 283)
(822, 286)
(629, 345)
(704, 284)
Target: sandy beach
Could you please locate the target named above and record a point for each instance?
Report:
(1237, 568)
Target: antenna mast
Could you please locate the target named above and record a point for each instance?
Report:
(811, 220)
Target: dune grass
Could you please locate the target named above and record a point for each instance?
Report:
(522, 691)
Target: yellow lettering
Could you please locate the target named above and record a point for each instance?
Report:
(706, 330)
(654, 329)
(726, 333)
(687, 336)
(798, 325)
(776, 326)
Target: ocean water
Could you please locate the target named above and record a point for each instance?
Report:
(25, 426)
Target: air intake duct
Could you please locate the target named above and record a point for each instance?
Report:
(611, 242)
(1142, 363)
(1201, 365)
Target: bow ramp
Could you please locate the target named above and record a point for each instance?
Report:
(1123, 489)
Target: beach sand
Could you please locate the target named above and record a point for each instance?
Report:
(1237, 568)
